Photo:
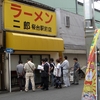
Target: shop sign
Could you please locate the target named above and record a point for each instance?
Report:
(24, 18)
(9, 50)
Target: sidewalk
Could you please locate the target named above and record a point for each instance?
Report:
(71, 93)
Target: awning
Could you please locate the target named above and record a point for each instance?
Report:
(18, 41)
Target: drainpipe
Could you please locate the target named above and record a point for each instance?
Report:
(76, 6)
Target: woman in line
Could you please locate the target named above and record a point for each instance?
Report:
(57, 80)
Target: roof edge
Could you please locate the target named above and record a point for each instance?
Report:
(36, 4)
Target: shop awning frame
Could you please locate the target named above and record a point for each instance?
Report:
(19, 41)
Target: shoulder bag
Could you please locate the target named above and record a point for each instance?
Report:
(30, 67)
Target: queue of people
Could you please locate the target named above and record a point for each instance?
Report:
(54, 71)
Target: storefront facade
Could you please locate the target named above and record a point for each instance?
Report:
(31, 32)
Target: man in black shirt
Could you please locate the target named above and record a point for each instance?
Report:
(45, 75)
(52, 64)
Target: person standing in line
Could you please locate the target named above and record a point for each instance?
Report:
(41, 85)
(46, 60)
(76, 71)
(20, 74)
(65, 66)
(52, 65)
(45, 75)
(29, 67)
(58, 75)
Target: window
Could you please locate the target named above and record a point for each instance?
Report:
(67, 21)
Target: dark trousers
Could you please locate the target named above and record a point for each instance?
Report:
(30, 85)
(20, 81)
(41, 82)
(45, 82)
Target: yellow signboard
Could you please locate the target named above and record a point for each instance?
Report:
(25, 18)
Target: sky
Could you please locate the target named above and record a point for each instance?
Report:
(96, 4)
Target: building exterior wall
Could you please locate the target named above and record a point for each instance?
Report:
(73, 36)
(81, 59)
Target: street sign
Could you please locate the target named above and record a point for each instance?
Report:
(9, 50)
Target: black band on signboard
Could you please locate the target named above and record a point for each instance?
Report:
(36, 4)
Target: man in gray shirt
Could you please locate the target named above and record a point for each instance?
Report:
(76, 71)
(20, 74)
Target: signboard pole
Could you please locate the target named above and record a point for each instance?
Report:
(96, 73)
(9, 71)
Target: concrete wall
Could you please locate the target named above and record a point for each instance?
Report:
(81, 59)
(73, 36)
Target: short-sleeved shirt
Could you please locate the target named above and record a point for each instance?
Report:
(76, 66)
(59, 68)
(28, 65)
(19, 69)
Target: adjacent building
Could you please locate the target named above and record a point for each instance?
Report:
(71, 30)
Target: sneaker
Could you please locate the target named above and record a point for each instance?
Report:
(73, 83)
(64, 86)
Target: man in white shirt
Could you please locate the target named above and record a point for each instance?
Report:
(65, 66)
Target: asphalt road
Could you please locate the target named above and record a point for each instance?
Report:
(71, 93)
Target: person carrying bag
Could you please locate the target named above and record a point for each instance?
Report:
(29, 68)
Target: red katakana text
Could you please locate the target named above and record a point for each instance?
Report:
(38, 16)
(50, 18)
(16, 8)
